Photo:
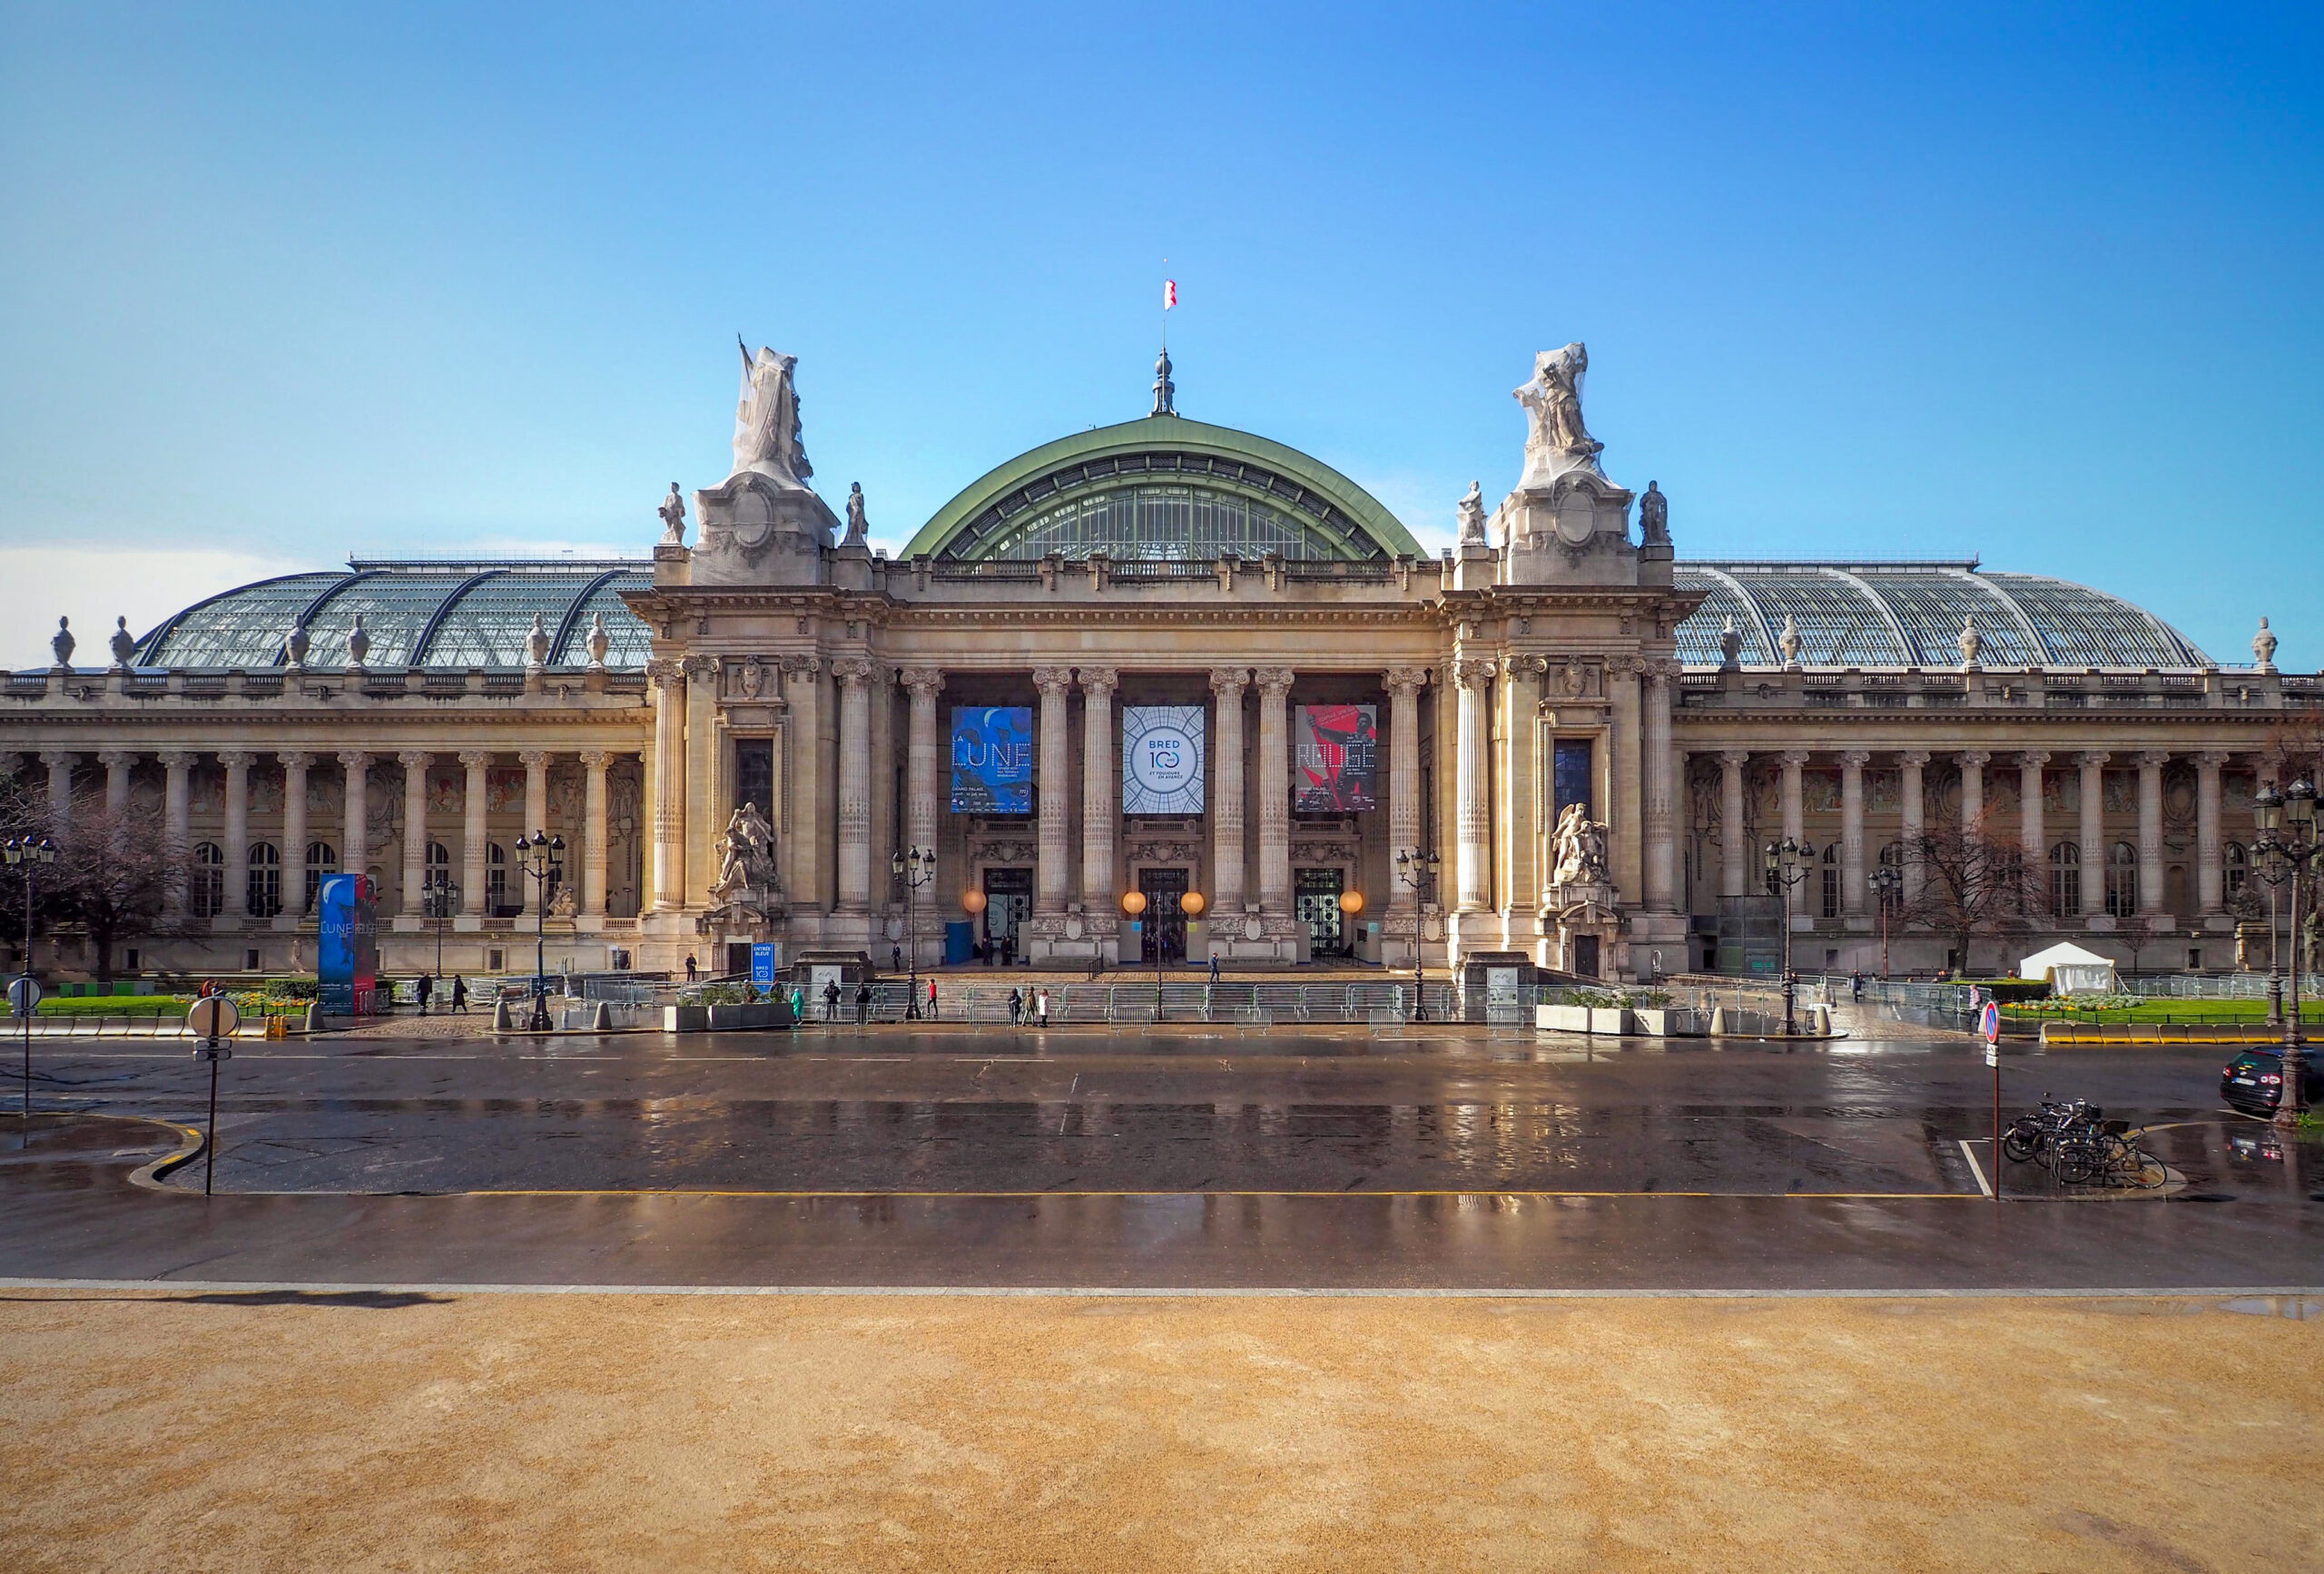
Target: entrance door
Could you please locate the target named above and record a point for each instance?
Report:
(1164, 923)
(1316, 902)
(1585, 956)
(1008, 903)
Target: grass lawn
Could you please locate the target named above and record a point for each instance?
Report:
(2174, 1011)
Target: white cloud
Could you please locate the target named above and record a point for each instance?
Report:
(94, 586)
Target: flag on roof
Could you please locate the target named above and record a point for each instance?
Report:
(1169, 294)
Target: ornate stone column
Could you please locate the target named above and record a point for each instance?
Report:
(237, 764)
(294, 834)
(1913, 810)
(923, 765)
(1473, 857)
(177, 827)
(1794, 823)
(415, 831)
(1226, 857)
(1734, 844)
(596, 833)
(704, 775)
(1052, 890)
(118, 764)
(2150, 764)
(2211, 881)
(1099, 784)
(1972, 790)
(2092, 830)
(2030, 831)
(669, 872)
(353, 855)
(1274, 791)
(1661, 818)
(1852, 892)
(535, 762)
(60, 786)
(474, 838)
(853, 676)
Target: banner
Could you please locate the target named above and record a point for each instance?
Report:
(1162, 759)
(993, 760)
(347, 961)
(1337, 762)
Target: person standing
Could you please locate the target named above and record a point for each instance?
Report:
(932, 1000)
(1041, 1006)
(423, 988)
(690, 973)
(459, 996)
(1016, 1007)
(1855, 988)
(863, 1002)
(896, 954)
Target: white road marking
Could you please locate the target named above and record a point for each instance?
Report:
(1975, 1167)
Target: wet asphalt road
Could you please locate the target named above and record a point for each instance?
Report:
(1186, 1158)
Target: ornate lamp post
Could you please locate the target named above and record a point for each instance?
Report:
(440, 895)
(542, 858)
(23, 853)
(2287, 845)
(915, 869)
(1787, 862)
(1417, 868)
(1887, 883)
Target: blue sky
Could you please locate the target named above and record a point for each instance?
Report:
(282, 283)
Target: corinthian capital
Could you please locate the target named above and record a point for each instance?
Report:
(1229, 683)
(665, 672)
(1054, 683)
(1100, 682)
(1403, 683)
(921, 682)
(1274, 683)
(853, 672)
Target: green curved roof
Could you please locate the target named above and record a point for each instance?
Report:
(1157, 449)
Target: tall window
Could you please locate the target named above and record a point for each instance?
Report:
(2237, 869)
(206, 891)
(2122, 879)
(495, 880)
(264, 891)
(1831, 879)
(2065, 878)
(322, 859)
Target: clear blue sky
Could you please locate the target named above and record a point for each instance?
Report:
(278, 283)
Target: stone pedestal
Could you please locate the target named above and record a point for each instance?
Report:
(1573, 530)
(1571, 913)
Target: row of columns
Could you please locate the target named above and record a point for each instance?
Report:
(1735, 866)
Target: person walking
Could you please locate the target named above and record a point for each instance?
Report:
(1855, 988)
(423, 988)
(1041, 1006)
(798, 1005)
(691, 972)
(1214, 970)
(931, 1001)
(1016, 1007)
(830, 1001)
(459, 996)
(896, 955)
(863, 1002)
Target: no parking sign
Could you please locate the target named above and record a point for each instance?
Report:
(1989, 1025)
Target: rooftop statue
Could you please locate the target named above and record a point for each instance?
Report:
(766, 420)
(1556, 441)
(1654, 516)
(858, 527)
(674, 512)
(1472, 516)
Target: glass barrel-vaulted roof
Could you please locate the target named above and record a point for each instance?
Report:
(456, 615)
(1910, 614)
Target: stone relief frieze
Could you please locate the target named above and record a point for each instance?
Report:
(1003, 852)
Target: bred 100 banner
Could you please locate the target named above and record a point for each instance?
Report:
(1162, 748)
(1337, 759)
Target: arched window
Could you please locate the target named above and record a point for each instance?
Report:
(322, 859)
(264, 891)
(1831, 879)
(2065, 878)
(206, 891)
(2237, 868)
(495, 880)
(2122, 879)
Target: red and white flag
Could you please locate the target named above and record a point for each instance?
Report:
(1169, 294)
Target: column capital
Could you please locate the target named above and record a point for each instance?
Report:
(2092, 759)
(413, 759)
(1913, 759)
(1054, 683)
(1663, 670)
(53, 758)
(2212, 759)
(1100, 682)
(598, 759)
(236, 759)
(1969, 758)
(1855, 759)
(801, 666)
(474, 759)
(533, 759)
(665, 672)
(1405, 682)
(2033, 758)
(177, 759)
(921, 682)
(2154, 759)
(295, 760)
(701, 669)
(1734, 759)
(1229, 683)
(354, 759)
(116, 759)
(1793, 759)
(1274, 683)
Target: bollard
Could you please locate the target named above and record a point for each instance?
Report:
(601, 1020)
(502, 1022)
(315, 1017)
(1718, 1021)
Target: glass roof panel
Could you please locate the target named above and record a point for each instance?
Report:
(1933, 606)
(488, 625)
(1698, 636)
(1839, 625)
(241, 628)
(1173, 522)
(627, 639)
(2082, 627)
(395, 606)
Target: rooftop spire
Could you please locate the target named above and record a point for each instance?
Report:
(1166, 392)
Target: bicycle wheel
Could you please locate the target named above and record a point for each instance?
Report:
(2017, 1147)
(2150, 1172)
(2074, 1164)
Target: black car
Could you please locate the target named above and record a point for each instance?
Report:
(2253, 1081)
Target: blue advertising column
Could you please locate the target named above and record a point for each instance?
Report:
(347, 964)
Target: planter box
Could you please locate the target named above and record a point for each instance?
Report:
(1563, 1019)
(1613, 1020)
(1661, 1022)
(685, 1018)
(760, 1014)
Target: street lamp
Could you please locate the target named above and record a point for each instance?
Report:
(441, 899)
(1787, 862)
(23, 853)
(2287, 845)
(542, 858)
(1416, 869)
(1887, 883)
(915, 869)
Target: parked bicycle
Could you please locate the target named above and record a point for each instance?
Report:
(2076, 1143)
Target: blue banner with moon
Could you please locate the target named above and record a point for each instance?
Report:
(993, 760)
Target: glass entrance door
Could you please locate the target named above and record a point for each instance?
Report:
(1316, 903)
(1008, 903)
(1164, 923)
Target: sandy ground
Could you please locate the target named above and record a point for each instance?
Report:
(237, 1432)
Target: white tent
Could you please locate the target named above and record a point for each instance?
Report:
(2071, 971)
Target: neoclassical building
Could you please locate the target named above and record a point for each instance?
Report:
(1157, 657)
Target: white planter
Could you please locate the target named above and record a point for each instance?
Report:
(1563, 1019)
(1613, 1020)
(1668, 1022)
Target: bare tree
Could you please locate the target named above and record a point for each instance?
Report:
(2139, 931)
(1971, 885)
(113, 871)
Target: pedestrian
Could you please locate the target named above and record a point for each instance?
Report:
(932, 1000)
(863, 1002)
(1855, 988)
(830, 1001)
(423, 988)
(1016, 1007)
(691, 972)
(1042, 1004)
(1214, 970)
(896, 954)
(798, 1005)
(459, 996)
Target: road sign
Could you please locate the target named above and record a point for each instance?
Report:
(23, 995)
(1989, 1022)
(215, 1017)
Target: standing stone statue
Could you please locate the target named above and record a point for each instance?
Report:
(2263, 647)
(1471, 510)
(674, 518)
(858, 527)
(1578, 849)
(1654, 516)
(766, 420)
(746, 856)
(61, 641)
(1557, 441)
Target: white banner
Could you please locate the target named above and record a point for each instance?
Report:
(1162, 759)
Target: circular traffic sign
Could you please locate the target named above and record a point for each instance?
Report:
(215, 1017)
(23, 995)
(1989, 1022)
